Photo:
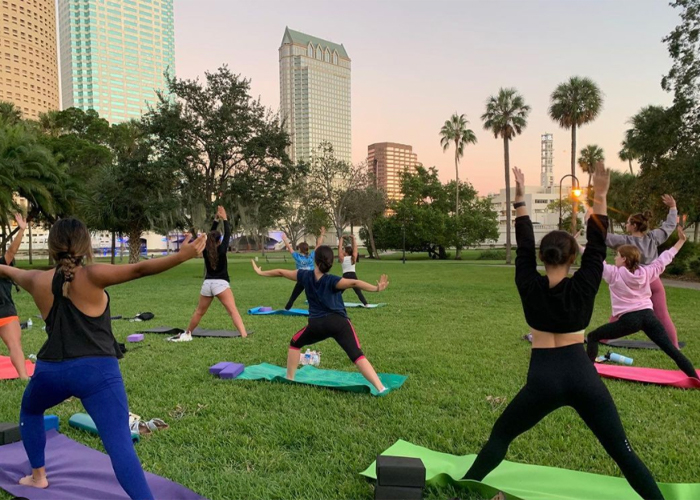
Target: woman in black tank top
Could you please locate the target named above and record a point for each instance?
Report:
(80, 355)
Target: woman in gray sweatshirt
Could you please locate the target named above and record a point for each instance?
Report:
(648, 242)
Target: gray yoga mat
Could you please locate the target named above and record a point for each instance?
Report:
(635, 344)
(198, 332)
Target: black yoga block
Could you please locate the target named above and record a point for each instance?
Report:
(9, 433)
(400, 471)
(397, 493)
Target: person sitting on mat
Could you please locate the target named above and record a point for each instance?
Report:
(10, 330)
(630, 293)
(327, 315)
(648, 242)
(348, 261)
(304, 260)
(79, 358)
(216, 282)
(558, 309)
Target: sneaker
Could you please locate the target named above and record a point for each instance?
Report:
(182, 337)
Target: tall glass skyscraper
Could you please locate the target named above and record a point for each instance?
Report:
(114, 54)
(315, 94)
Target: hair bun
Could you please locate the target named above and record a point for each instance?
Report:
(552, 254)
(646, 216)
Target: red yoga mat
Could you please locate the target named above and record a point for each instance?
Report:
(675, 378)
(7, 371)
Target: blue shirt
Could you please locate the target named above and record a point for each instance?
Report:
(324, 298)
(305, 262)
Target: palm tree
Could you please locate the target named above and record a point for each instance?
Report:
(590, 155)
(10, 114)
(626, 154)
(506, 116)
(574, 103)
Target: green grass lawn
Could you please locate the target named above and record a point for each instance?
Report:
(453, 328)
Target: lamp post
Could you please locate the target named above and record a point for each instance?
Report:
(403, 234)
(576, 192)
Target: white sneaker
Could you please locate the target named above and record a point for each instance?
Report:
(182, 337)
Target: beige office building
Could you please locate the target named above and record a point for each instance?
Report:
(387, 160)
(29, 60)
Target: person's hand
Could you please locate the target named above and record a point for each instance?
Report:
(601, 179)
(681, 234)
(190, 249)
(255, 267)
(383, 282)
(323, 230)
(519, 182)
(221, 212)
(668, 201)
(20, 221)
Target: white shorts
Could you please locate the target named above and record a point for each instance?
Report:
(212, 288)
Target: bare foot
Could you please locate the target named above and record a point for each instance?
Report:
(34, 483)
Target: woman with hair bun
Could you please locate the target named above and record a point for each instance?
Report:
(648, 242)
(327, 315)
(79, 358)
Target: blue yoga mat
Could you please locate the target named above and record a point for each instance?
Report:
(334, 379)
(279, 312)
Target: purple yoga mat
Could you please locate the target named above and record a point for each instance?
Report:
(76, 472)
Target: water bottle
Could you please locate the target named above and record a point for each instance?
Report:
(32, 357)
(307, 357)
(618, 358)
(29, 323)
(314, 358)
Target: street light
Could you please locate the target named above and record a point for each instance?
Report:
(576, 192)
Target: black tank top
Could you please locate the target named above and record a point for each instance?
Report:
(73, 334)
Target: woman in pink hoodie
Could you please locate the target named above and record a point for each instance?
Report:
(630, 292)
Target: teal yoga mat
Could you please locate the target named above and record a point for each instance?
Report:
(279, 312)
(310, 375)
(527, 482)
(359, 304)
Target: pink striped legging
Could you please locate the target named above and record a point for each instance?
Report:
(658, 299)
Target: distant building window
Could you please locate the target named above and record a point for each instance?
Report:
(327, 56)
(335, 58)
(310, 51)
(319, 54)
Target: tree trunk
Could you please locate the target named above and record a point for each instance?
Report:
(695, 233)
(506, 160)
(134, 245)
(630, 162)
(114, 247)
(29, 232)
(372, 246)
(458, 250)
(574, 204)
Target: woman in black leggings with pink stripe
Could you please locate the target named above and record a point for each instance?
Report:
(327, 315)
(558, 309)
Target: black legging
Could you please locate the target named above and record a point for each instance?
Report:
(352, 276)
(333, 325)
(559, 377)
(298, 288)
(632, 322)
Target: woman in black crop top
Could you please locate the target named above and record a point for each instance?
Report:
(216, 282)
(558, 309)
(10, 330)
(79, 357)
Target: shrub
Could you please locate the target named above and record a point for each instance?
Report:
(492, 255)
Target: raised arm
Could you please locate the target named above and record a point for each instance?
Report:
(319, 240)
(525, 259)
(661, 234)
(287, 244)
(275, 273)
(16, 241)
(345, 283)
(104, 275)
(341, 249)
(658, 265)
(354, 248)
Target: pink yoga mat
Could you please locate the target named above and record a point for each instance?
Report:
(675, 378)
(7, 371)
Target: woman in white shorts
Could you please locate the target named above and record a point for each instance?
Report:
(216, 282)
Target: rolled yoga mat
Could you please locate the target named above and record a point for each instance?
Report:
(310, 375)
(635, 344)
(76, 472)
(527, 482)
(8, 372)
(674, 378)
(279, 312)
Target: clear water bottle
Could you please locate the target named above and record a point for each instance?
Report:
(32, 357)
(29, 323)
(307, 357)
(314, 358)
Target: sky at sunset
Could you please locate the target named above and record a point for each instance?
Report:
(414, 63)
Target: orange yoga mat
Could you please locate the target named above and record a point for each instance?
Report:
(7, 371)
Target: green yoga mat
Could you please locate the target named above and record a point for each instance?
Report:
(528, 482)
(343, 381)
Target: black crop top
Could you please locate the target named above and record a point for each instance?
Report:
(221, 270)
(73, 334)
(567, 307)
(7, 306)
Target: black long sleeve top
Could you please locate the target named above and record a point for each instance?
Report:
(220, 272)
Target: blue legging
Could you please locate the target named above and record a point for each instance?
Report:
(99, 385)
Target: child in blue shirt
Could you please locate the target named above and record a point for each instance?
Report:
(304, 260)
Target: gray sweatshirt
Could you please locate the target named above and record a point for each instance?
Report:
(647, 244)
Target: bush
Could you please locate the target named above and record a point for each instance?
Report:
(492, 255)
(695, 267)
(677, 267)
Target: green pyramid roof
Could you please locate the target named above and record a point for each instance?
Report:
(304, 39)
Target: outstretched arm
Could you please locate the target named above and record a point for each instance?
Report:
(25, 279)
(662, 233)
(345, 283)
(319, 240)
(525, 259)
(354, 248)
(341, 250)
(275, 273)
(104, 275)
(658, 265)
(17, 240)
(287, 244)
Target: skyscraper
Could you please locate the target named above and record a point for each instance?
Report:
(114, 54)
(387, 160)
(28, 61)
(547, 166)
(315, 94)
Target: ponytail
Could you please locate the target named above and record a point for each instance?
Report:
(67, 265)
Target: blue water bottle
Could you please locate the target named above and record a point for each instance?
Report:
(617, 358)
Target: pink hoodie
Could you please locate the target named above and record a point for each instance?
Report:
(630, 292)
